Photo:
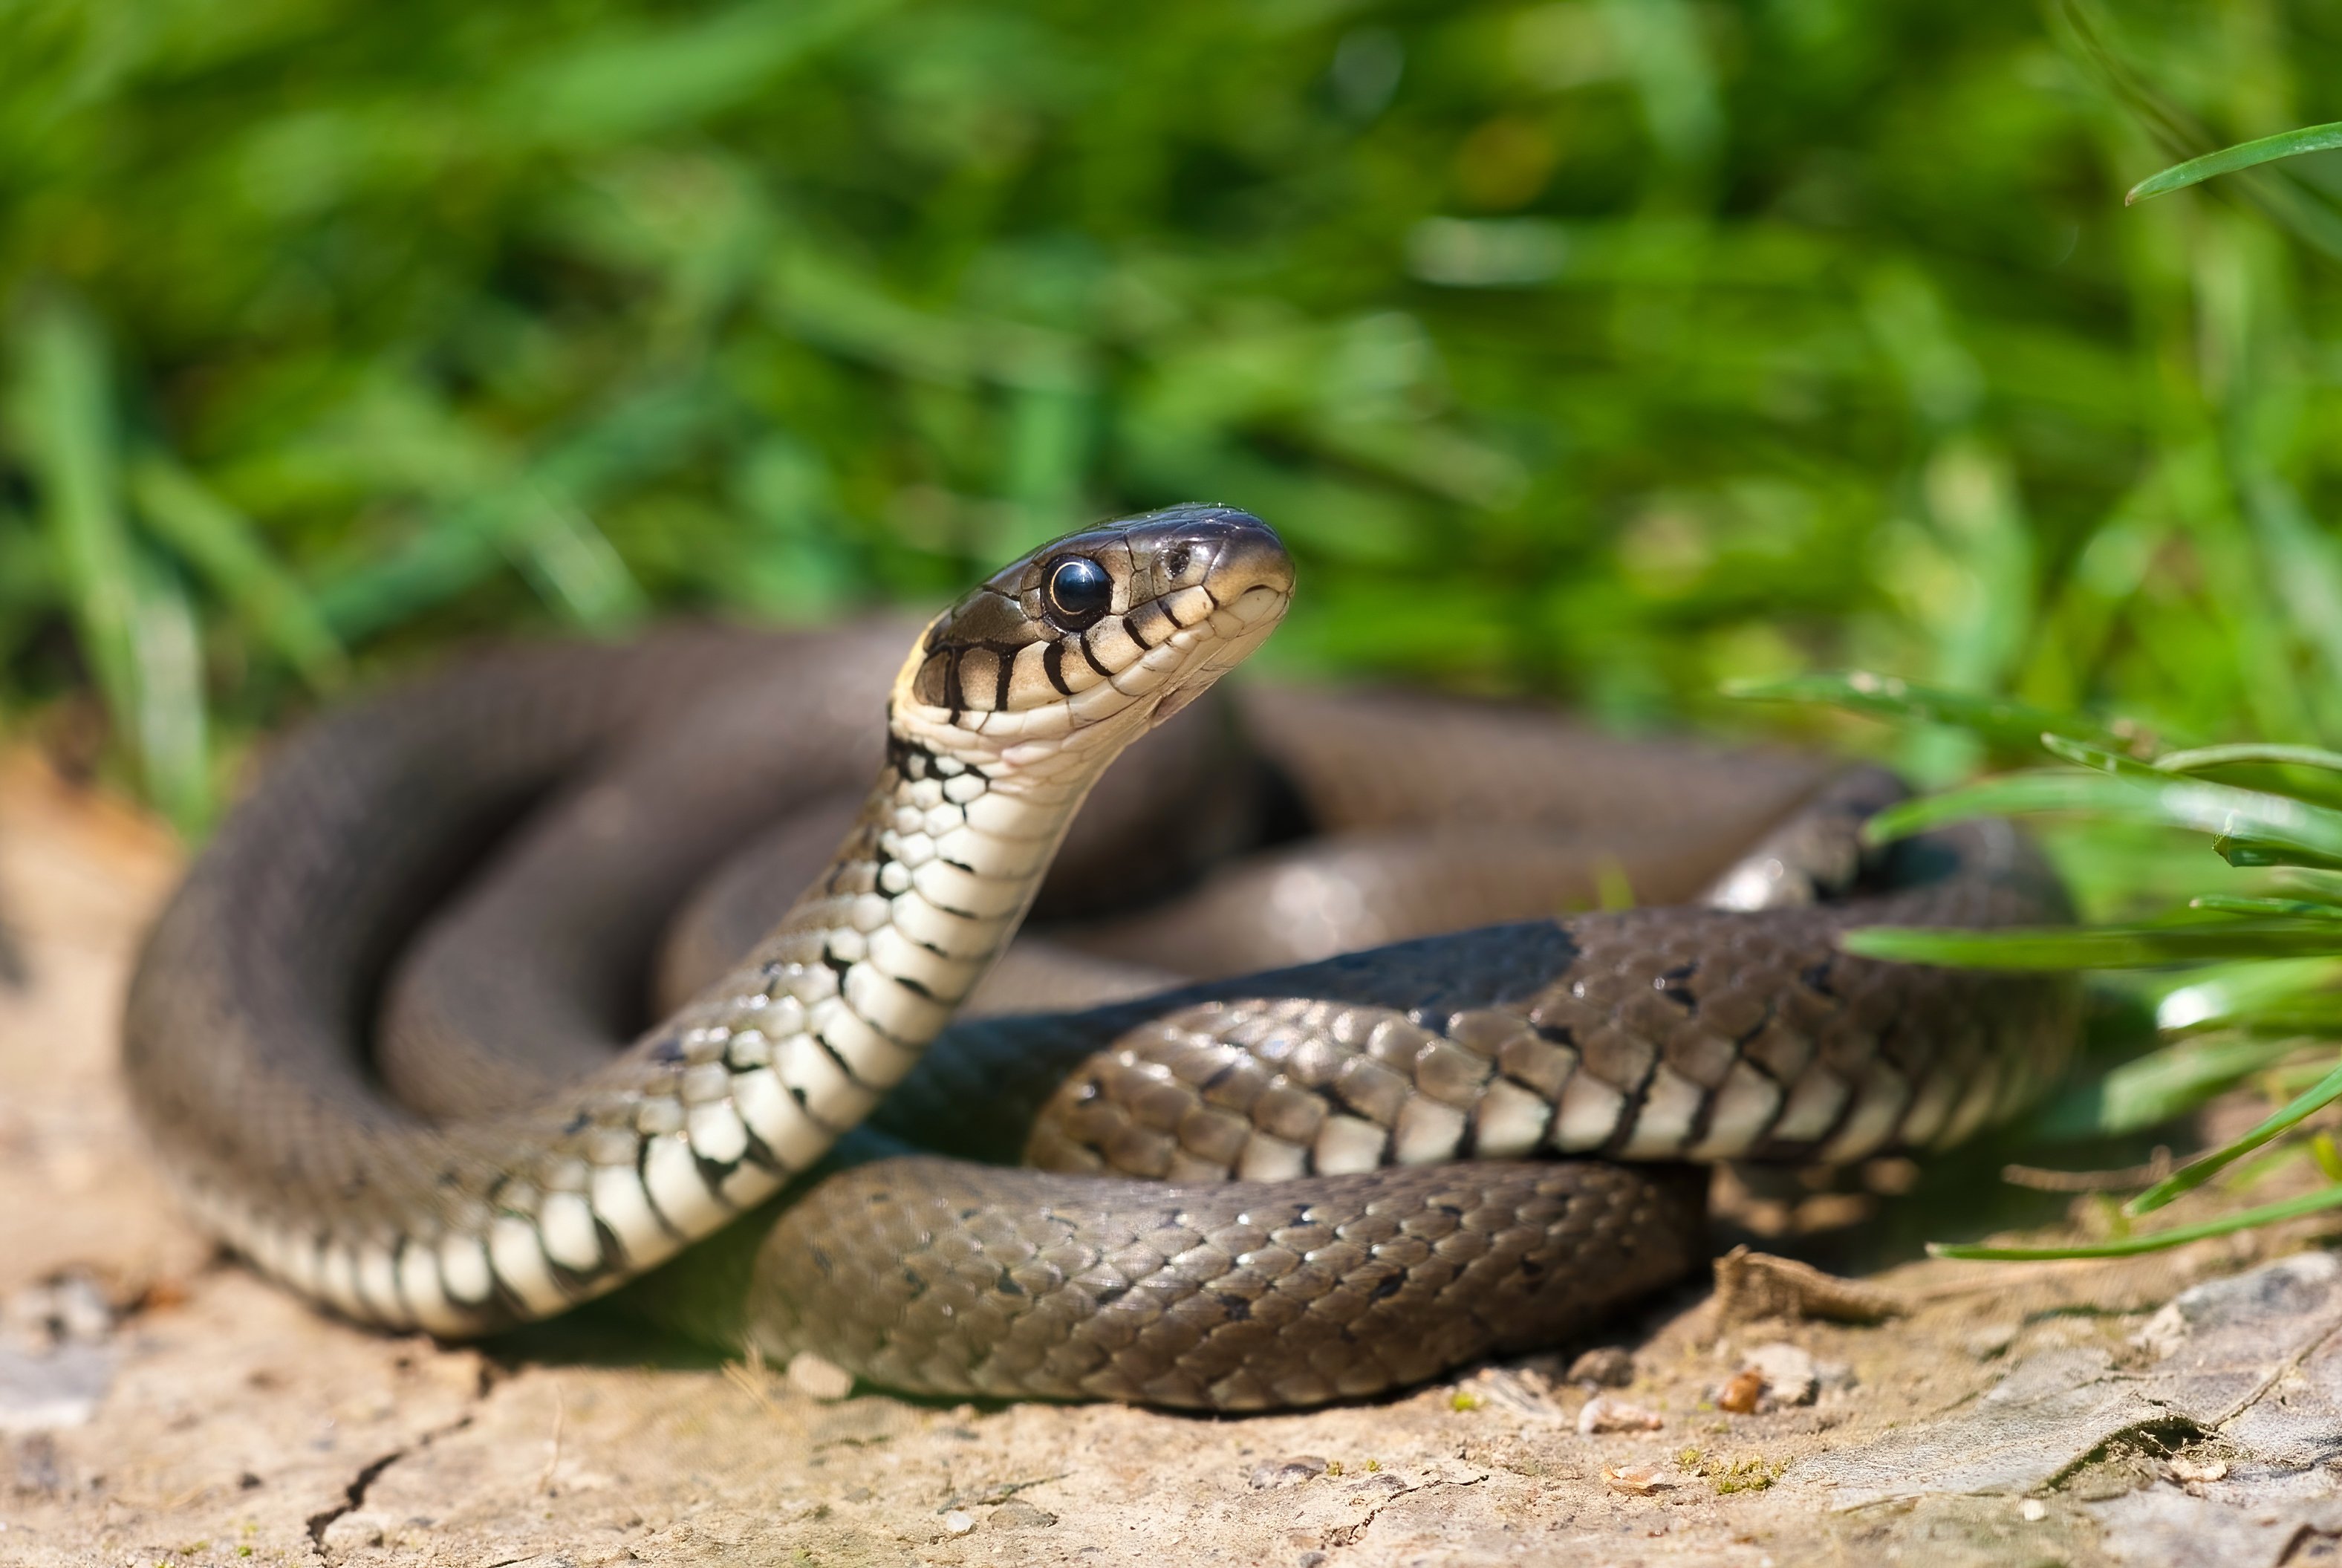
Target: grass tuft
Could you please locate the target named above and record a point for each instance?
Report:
(2270, 1011)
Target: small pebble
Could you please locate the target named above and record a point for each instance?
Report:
(959, 1522)
(1740, 1394)
(69, 1310)
(1604, 1413)
(816, 1378)
(1605, 1366)
(1788, 1372)
(2034, 1511)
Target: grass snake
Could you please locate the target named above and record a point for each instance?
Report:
(387, 1036)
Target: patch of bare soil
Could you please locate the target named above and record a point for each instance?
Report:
(159, 1405)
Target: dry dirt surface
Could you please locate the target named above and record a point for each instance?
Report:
(160, 1405)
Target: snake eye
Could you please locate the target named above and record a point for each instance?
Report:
(1078, 591)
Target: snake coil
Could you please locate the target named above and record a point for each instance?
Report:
(379, 1036)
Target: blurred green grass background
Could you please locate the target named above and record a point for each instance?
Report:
(1612, 349)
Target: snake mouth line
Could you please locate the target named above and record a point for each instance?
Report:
(1242, 626)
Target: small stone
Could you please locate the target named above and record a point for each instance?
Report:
(817, 1378)
(69, 1309)
(1605, 1366)
(2033, 1511)
(1604, 1413)
(1288, 1472)
(1787, 1372)
(959, 1522)
(1739, 1395)
(81, 1310)
(49, 1392)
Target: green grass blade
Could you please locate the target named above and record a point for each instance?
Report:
(224, 545)
(2098, 758)
(2307, 1103)
(535, 515)
(2296, 908)
(2014, 725)
(136, 626)
(2131, 1246)
(2244, 849)
(2243, 156)
(2200, 759)
(2238, 848)
(2313, 1017)
(63, 418)
(573, 567)
(2264, 829)
(2150, 1090)
(2304, 568)
(2104, 947)
(633, 80)
(174, 750)
(2243, 994)
(2009, 794)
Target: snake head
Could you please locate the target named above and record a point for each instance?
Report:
(1080, 646)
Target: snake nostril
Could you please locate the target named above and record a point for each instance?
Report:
(1175, 560)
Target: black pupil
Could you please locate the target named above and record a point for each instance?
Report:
(1078, 589)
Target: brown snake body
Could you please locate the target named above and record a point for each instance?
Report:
(380, 1035)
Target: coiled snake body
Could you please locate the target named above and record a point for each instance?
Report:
(396, 1082)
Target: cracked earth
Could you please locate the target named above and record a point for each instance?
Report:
(159, 1405)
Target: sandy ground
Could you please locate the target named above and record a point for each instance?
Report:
(159, 1405)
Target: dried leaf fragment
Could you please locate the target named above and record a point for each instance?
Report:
(1634, 1480)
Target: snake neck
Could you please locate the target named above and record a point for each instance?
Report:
(925, 892)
